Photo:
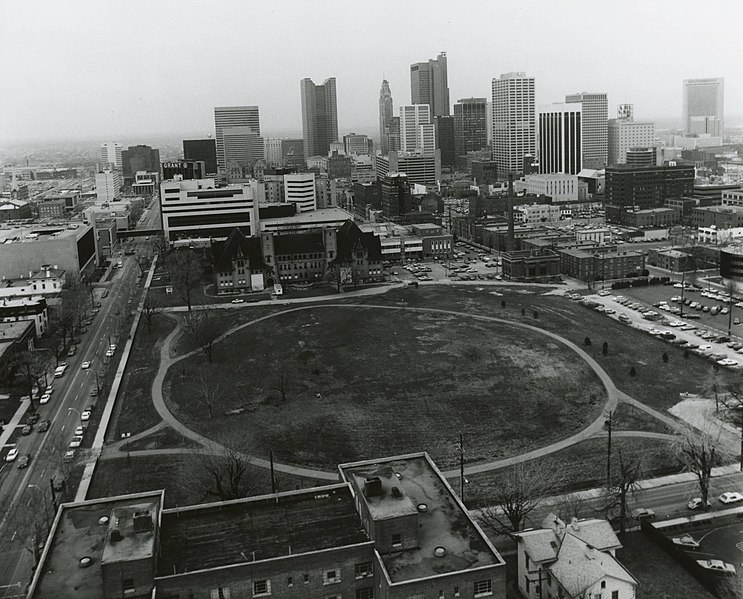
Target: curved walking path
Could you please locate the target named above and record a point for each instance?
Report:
(595, 428)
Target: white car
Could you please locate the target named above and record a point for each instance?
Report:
(112, 347)
(79, 431)
(725, 362)
(110, 353)
(86, 416)
(717, 565)
(12, 455)
(45, 398)
(731, 497)
(238, 301)
(85, 365)
(76, 442)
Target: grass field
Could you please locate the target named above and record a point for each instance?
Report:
(364, 382)
(134, 411)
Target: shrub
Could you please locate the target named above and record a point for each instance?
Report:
(587, 341)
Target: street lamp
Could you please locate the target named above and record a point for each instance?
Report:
(73, 410)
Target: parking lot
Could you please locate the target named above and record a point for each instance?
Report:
(720, 540)
(468, 264)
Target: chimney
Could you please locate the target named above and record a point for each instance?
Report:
(575, 525)
(142, 521)
(373, 486)
(510, 244)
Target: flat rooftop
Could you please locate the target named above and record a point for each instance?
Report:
(9, 331)
(78, 532)
(256, 529)
(31, 233)
(444, 523)
(321, 215)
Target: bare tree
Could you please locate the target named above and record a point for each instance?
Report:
(700, 452)
(627, 473)
(30, 519)
(150, 308)
(525, 487)
(341, 275)
(210, 390)
(570, 507)
(224, 476)
(201, 326)
(32, 367)
(712, 386)
(282, 380)
(185, 269)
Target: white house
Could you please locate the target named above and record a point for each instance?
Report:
(574, 561)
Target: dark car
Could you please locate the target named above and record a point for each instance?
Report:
(26, 430)
(23, 461)
(33, 418)
(44, 426)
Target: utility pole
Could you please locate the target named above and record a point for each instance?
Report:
(681, 314)
(460, 446)
(730, 309)
(273, 474)
(608, 424)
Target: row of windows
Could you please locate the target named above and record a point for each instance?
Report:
(262, 587)
(290, 257)
(303, 266)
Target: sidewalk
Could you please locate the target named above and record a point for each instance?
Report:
(14, 421)
(100, 436)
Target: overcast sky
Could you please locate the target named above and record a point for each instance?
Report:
(108, 68)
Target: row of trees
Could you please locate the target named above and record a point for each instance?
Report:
(529, 484)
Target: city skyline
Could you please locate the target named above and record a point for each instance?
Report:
(80, 91)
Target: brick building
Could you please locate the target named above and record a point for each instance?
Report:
(532, 266)
(598, 265)
(391, 529)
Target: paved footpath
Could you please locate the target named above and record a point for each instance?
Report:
(14, 421)
(595, 428)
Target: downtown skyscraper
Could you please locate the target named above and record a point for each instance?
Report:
(319, 116)
(470, 125)
(704, 106)
(560, 148)
(594, 126)
(240, 121)
(514, 121)
(386, 114)
(429, 84)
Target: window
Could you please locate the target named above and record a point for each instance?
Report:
(220, 593)
(603, 584)
(333, 597)
(261, 587)
(483, 587)
(289, 581)
(456, 591)
(331, 577)
(128, 586)
(615, 595)
(306, 579)
(396, 539)
(362, 570)
(367, 593)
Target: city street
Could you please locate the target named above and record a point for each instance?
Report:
(72, 394)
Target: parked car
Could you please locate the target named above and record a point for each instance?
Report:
(76, 442)
(731, 497)
(238, 301)
(696, 503)
(44, 426)
(85, 416)
(45, 398)
(642, 513)
(23, 461)
(12, 455)
(686, 541)
(85, 365)
(79, 431)
(69, 456)
(33, 418)
(26, 430)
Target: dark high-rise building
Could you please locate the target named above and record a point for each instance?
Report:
(204, 150)
(386, 114)
(560, 148)
(319, 116)
(395, 192)
(429, 84)
(644, 187)
(445, 140)
(188, 169)
(139, 158)
(470, 126)
(292, 151)
(484, 172)
(241, 120)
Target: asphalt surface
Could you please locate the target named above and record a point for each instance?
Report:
(70, 397)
